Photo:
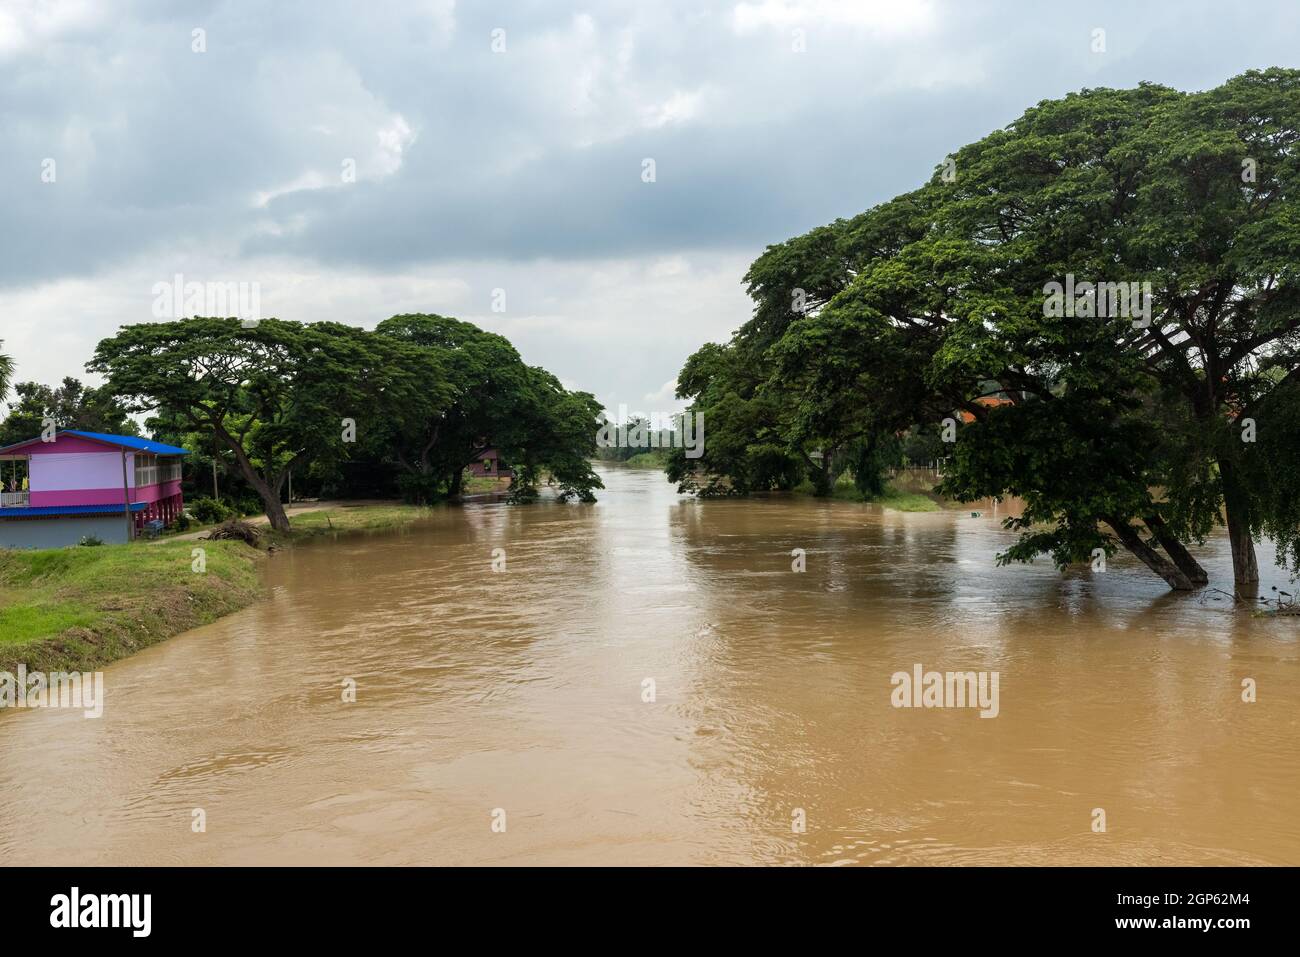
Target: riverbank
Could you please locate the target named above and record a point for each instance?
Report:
(77, 609)
(80, 608)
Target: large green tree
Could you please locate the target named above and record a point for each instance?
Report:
(465, 412)
(1193, 193)
(488, 398)
(275, 395)
(552, 430)
(921, 308)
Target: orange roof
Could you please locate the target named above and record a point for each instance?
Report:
(989, 400)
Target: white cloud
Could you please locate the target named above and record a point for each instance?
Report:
(664, 395)
(26, 24)
(887, 17)
(677, 108)
(520, 170)
(612, 330)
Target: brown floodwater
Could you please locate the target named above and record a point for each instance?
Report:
(522, 691)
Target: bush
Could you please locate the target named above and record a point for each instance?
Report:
(245, 505)
(90, 541)
(208, 511)
(419, 489)
(182, 522)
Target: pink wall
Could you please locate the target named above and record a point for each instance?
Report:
(103, 496)
(76, 471)
(55, 471)
(66, 443)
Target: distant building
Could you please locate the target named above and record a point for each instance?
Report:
(84, 483)
(991, 401)
(489, 465)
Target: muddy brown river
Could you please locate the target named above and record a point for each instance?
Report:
(648, 682)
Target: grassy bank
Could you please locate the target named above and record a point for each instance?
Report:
(900, 500)
(657, 459)
(80, 608)
(346, 518)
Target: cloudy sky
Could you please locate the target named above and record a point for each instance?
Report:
(502, 146)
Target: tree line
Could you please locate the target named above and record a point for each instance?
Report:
(1115, 433)
(415, 401)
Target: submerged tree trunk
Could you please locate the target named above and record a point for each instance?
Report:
(1236, 506)
(1176, 550)
(1171, 573)
(819, 473)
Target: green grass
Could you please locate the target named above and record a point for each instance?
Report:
(894, 498)
(478, 484)
(79, 608)
(901, 501)
(329, 521)
(20, 623)
(649, 460)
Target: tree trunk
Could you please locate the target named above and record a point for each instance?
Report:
(275, 512)
(819, 474)
(1153, 560)
(1176, 550)
(455, 482)
(270, 497)
(1236, 506)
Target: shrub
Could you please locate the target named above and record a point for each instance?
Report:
(90, 541)
(208, 511)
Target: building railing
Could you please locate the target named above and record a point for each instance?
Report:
(13, 500)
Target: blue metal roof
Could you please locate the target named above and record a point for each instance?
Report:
(130, 442)
(47, 511)
(121, 441)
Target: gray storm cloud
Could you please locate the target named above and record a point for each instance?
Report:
(475, 169)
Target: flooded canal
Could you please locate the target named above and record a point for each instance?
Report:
(648, 682)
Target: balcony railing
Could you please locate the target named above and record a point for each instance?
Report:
(13, 500)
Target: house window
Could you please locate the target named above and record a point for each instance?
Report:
(146, 470)
(151, 470)
(487, 465)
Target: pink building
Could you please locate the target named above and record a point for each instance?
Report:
(489, 465)
(85, 483)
